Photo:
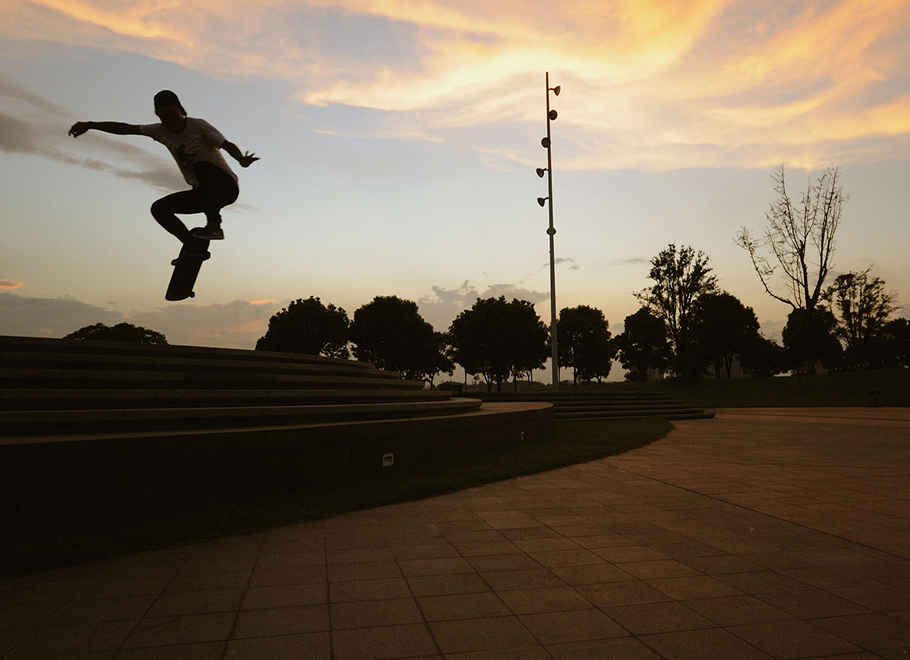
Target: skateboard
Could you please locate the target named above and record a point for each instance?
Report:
(186, 270)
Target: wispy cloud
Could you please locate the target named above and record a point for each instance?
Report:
(443, 305)
(236, 324)
(32, 125)
(10, 284)
(653, 84)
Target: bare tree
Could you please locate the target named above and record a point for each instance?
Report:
(799, 237)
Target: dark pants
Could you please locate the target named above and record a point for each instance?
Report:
(216, 190)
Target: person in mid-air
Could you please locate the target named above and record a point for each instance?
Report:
(196, 146)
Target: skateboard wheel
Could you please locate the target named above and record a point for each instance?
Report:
(192, 294)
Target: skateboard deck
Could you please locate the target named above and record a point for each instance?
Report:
(186, 271)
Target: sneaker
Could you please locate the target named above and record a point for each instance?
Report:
(209, 233)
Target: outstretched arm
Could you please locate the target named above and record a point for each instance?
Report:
(115, 127)
(245, 160)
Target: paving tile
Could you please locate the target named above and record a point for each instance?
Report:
(877, 597)
(372, 570)
(554, 558)
(812, 604)
(444, 566)
(74, 639)
(523, 653)
(201, 651)
(702, 645)
(787, 640)
(624, 648)
(209, 581)
(521, 579)
(196, 602)
(481, 634)
(441, 585)
(407, 641)
(462, 606)
(101, 609)
(698, 586)
(762, 582)
(275, 577)
(647, 618)
(360, 590)
(621, 593)
(435, 551)
(507, 562)
(312, 646)
(544, 599)
(628, 553)
(281, 621)
(657, 569)
(872, 632)
(720, 564)
(574, 626)
(591, 574)
(181, 630)
(294, 595)
(737, 610)
(371, 614)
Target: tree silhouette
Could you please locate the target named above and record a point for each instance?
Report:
(793, 257)
(497, 339)
(894, 344)
(680, 279)
(390, 333)
(862, 306)
(724, 329)
(584, 342)
(810, 338)
(643, 345)
(121, 332)
(308, 327)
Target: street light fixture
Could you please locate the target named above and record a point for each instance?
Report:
(551, 231)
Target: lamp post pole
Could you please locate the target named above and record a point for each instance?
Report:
(551, 231)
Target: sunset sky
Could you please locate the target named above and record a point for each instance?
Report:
(398, 141)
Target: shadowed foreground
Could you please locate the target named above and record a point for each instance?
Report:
(760, 534)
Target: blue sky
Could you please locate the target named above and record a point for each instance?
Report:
(398, 142)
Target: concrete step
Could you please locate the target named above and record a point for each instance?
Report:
(606, 405)
(28, 422)
(116, 398)
(202, 377)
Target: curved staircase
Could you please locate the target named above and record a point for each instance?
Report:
(606, 405)
(64, 386)
(95, 432)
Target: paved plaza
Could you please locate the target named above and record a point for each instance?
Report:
(763, 533)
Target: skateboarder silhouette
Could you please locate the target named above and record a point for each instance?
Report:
(196, 146)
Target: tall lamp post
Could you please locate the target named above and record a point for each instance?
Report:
(551, 231)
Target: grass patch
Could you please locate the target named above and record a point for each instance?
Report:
(848, 388)
(572, 442)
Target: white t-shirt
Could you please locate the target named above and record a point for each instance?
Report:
(198, 142)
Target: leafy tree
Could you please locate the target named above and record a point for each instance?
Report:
(863, 307)
(497, 339)
(584, 342)
(724, 329)
(681, 277)
(308, 327)
(810, 338)
(799, 239)
(128, 332)
(894, 344)
(643, 345)
(390, 333)
(765, 357)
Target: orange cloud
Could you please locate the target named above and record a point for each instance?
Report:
(647, 83)
(10, 284)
